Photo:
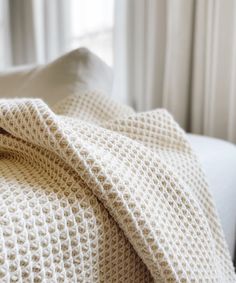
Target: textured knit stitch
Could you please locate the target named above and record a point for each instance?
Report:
(93, 192)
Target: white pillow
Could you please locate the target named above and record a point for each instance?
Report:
(76, 71)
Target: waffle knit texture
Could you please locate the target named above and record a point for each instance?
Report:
(91, 191)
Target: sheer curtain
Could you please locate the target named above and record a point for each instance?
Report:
(5, 58)
(32, 32)
(181, 55)
(37, 31)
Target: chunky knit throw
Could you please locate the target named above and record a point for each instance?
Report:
(91, 191)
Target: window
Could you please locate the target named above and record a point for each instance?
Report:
(91, 24)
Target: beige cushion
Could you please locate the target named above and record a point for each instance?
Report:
(76, 71)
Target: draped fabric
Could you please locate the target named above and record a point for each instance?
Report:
(180, 55)
(91, 191)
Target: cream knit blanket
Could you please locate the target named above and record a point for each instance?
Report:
(94, 192)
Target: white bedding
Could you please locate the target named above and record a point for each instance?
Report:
(218, 159)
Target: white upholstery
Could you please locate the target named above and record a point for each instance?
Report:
(218, 159)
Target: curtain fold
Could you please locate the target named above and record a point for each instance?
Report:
(181, 55)
(214, 93)
(38, 30)
(5, 50)
(22, 32)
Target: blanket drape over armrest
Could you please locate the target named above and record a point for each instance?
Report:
(93, 192)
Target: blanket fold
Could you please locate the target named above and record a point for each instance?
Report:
(93, 192)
